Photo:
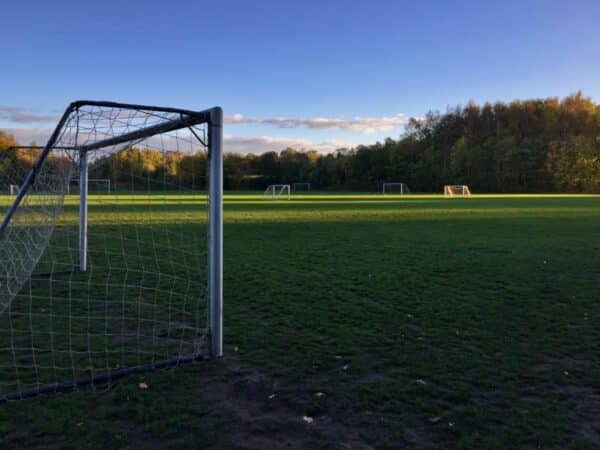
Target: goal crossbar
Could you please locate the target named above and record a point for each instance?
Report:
(187, 119)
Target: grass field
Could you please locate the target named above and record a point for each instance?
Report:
(363, 321)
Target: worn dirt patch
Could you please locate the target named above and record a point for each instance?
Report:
(272, 416)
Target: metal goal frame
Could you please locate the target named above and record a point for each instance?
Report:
(403, 187)
(275, 191)
(77, 182)
(452, 190)
(213, 119)
(306, 184)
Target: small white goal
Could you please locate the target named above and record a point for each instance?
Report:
(276, 191)
(456, 190)
(95, 185)
(395, 188)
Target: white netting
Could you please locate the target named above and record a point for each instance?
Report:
(142, 299)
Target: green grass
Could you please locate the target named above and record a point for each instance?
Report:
(426, 322)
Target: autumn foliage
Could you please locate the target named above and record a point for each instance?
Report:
(539, 145)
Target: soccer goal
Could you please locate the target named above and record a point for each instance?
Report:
(276, 191)
(395, 188)
(20, 159)
(95, 185)
(456, 190)
(301, 187)
(99, 287)
(15, 163)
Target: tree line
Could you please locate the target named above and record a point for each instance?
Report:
(538, 145)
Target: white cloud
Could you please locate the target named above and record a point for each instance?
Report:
(23, 116)
(262, 144)
(364, 125)
(27, 135)
(237, 144)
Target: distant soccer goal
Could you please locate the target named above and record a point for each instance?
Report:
(95, 186)
(301, 187)
(103, 286)
(277, 191)
(395, 188)
(15, 163)
(456, 190)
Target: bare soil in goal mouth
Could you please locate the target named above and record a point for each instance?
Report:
(268, 415)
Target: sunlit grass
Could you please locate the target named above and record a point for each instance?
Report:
(416, 310)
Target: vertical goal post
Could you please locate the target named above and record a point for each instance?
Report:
(135, 302)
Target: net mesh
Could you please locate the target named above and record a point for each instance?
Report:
(142, 299)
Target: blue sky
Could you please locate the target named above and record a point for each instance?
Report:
(318, 64)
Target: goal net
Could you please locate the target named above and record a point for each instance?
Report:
(93, 287)
(455, 190)
(395, 188)
(276, 191)
(301, 187)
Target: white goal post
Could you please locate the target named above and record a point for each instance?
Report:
(92, 291)
(456, 190)
(13, 189)
(276, 191)
(395, 188)
(301, 186)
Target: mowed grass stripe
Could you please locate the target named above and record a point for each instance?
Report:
(409, 313)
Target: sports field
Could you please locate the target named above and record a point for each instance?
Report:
(363, 321)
